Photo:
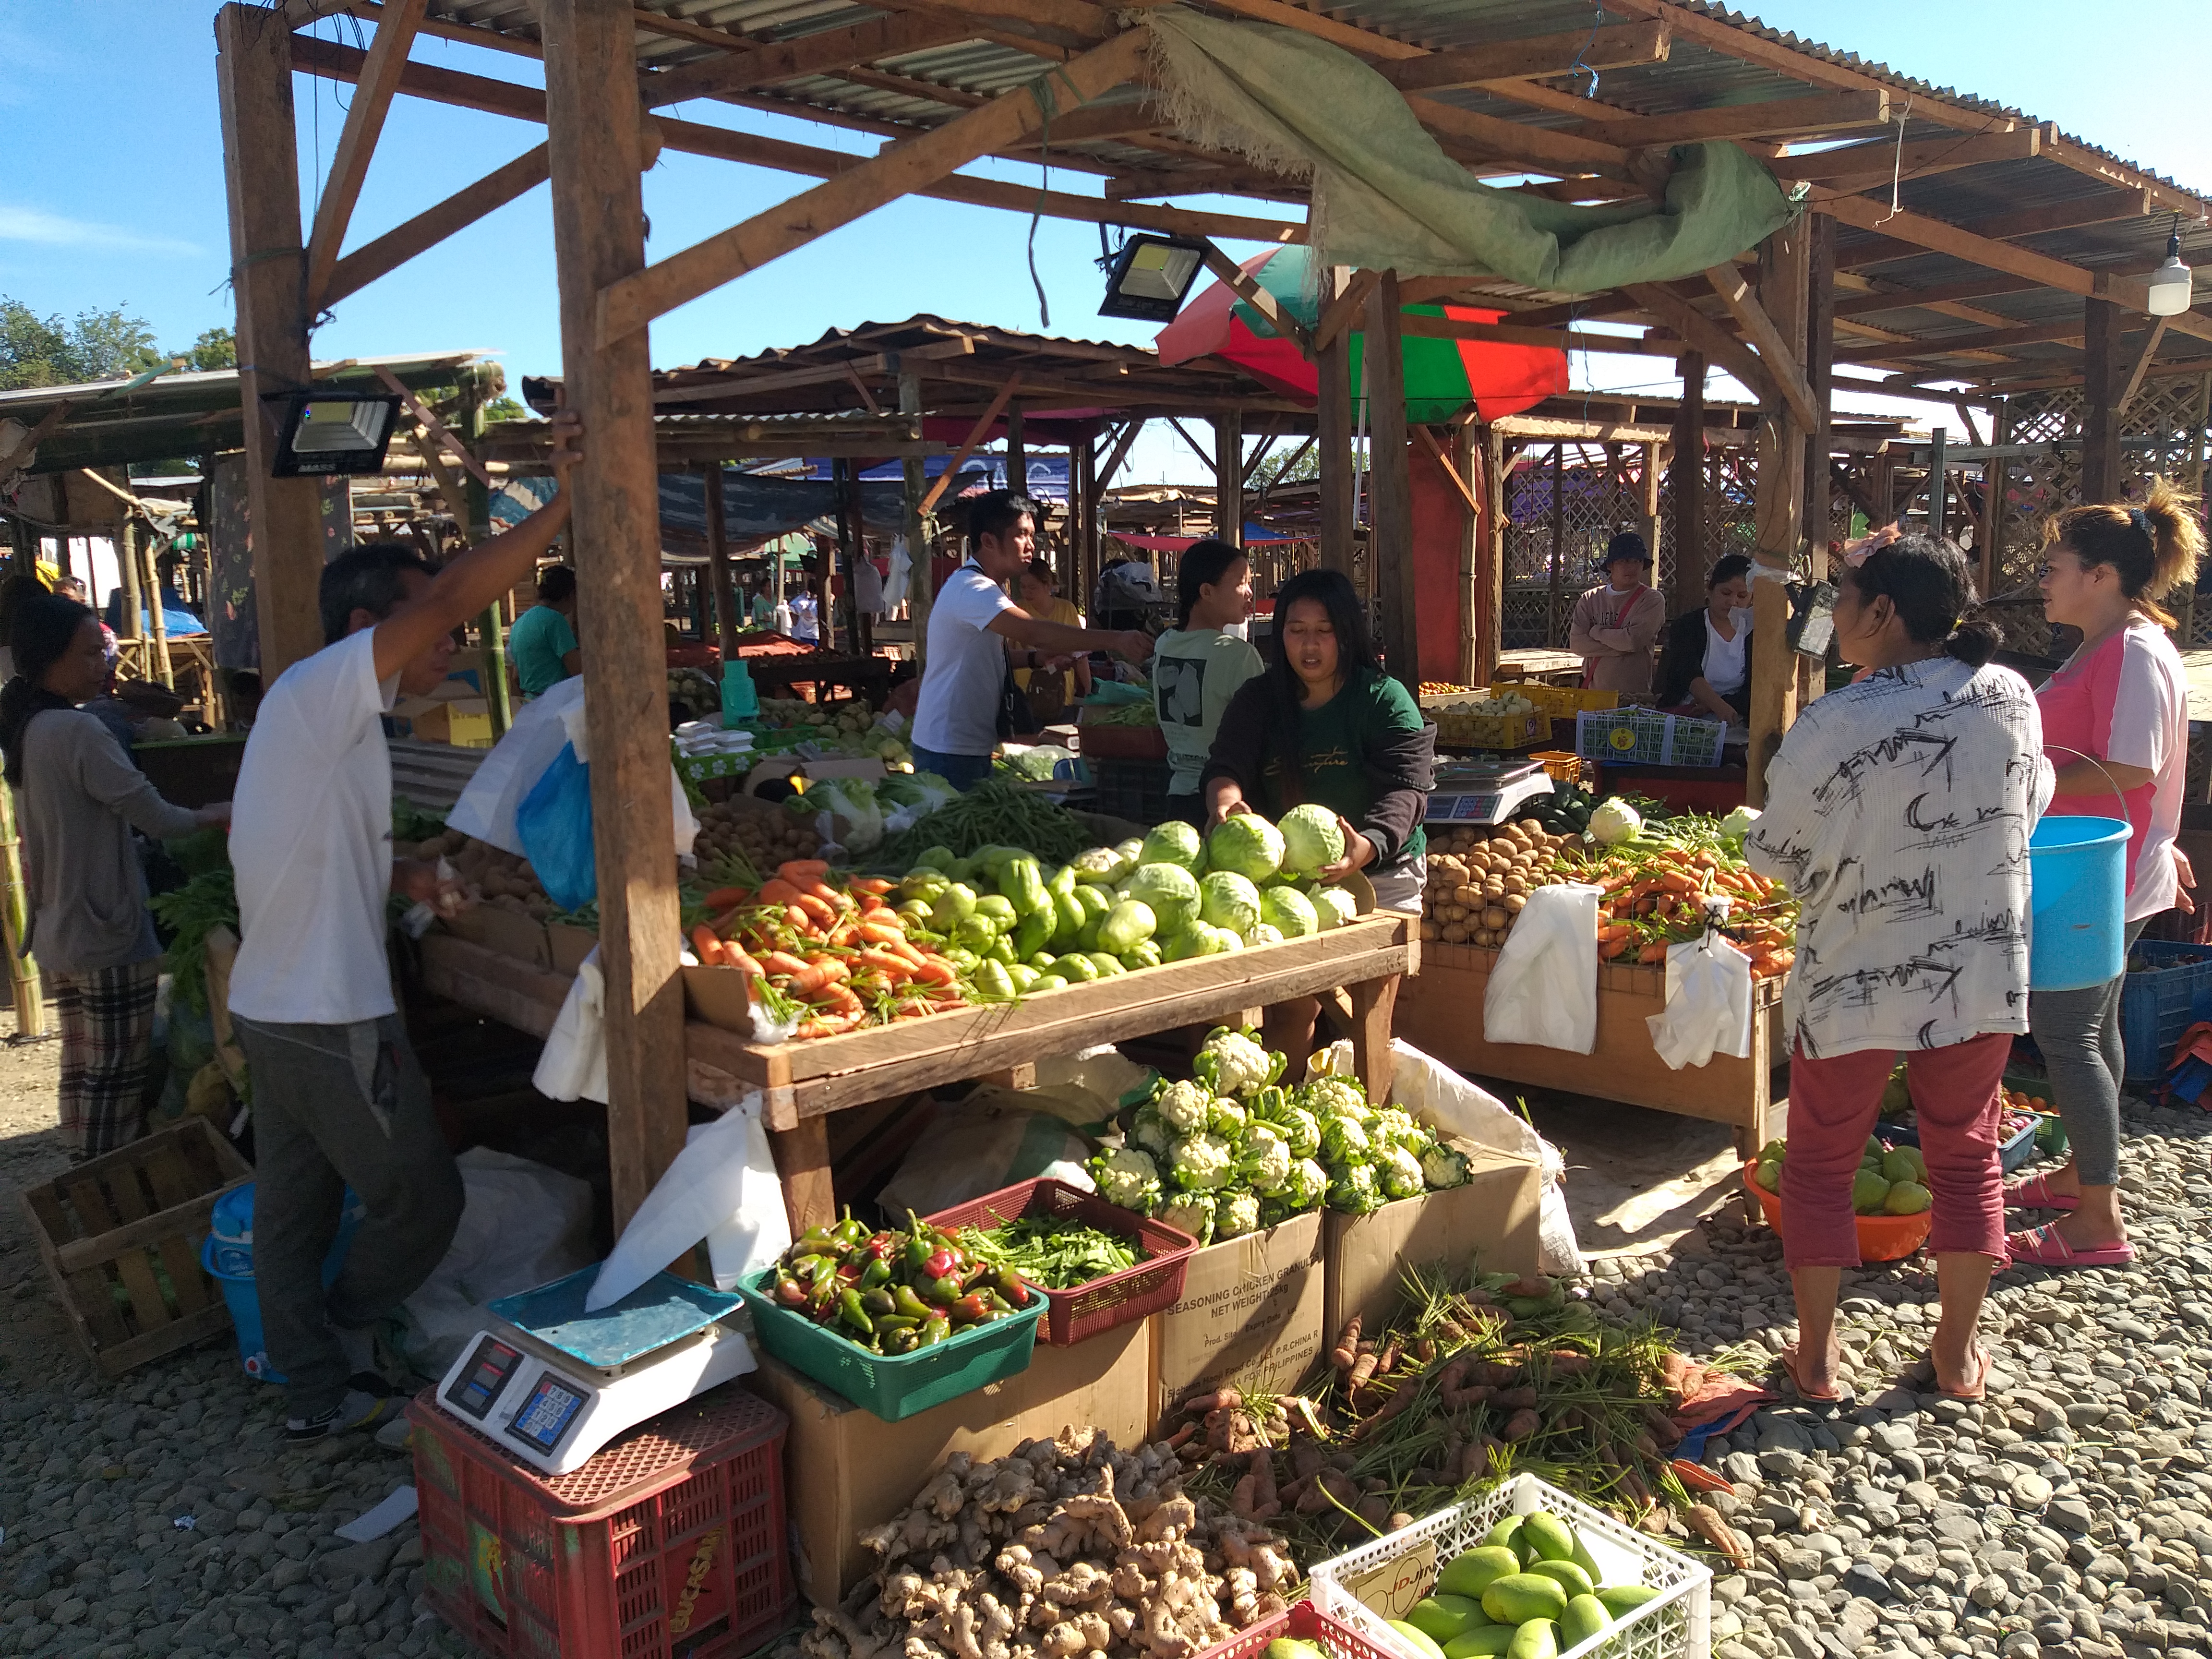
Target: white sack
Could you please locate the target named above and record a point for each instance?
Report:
(724, 1177)
(522, 1225)
(1543, 987)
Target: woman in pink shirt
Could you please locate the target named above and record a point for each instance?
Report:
(2115, 719)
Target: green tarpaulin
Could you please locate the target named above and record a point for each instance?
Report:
(1385, 197)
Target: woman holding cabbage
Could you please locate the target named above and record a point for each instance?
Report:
(1325, 725)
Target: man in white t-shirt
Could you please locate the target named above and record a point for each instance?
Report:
(338, 1099)
(971, 624)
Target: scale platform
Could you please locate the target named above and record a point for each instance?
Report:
(1477, 792)
(550, 1385)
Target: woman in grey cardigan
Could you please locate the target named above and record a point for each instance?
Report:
(78, 798)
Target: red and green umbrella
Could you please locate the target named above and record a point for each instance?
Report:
(1442, 377)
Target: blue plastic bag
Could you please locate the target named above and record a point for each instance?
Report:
(555, 824)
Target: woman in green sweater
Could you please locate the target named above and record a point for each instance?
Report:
(1325, 724)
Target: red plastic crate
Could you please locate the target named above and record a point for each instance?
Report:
(669, 1544)
(1302, 1622)
(1076, 1315)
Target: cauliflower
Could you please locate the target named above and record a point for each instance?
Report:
(1343, 1141)
(1236, 1213)
(1442, 1168)
(1398, 1172)
(1353, 1192)
(1393, 1125)
(1150, 1131)
(1128, 1178)
(1227, 1118)
(1323, 1096)
(1234, 1064)
(1305, 1186)
(1191, 1212)
(1267, 1160)
(1201, 1162)
(1299, 1127)
(1186, 1106)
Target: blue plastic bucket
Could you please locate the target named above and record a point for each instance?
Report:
(226, 1253)
(2077, 881)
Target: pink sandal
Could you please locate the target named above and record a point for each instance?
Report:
(2046, 1247)
(2035, 1194)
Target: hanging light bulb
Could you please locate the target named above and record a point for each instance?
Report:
(2170, 284)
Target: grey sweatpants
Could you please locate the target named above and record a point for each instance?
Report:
(339, 1106)
(2079, 1033)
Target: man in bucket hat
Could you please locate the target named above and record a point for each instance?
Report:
(1616, 624)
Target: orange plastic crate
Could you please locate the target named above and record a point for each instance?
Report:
(669, 1544)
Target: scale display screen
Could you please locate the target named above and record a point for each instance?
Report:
(488, 1371)
(545, 1416)
(1462, 809)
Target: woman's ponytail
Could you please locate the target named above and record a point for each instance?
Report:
(1973, 642)
(2155, 547)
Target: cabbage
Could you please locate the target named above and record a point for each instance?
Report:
(1334, 907)
(1185, 1107)
(1737, 824)
(1290, 912)
(1312, 839)
(1127, 926)
(1127, 1178)
(1246, 844)
(1265, 933)
(1225, 938)
(1614, 821)
(1174, 843)
(1227, 899)
(851, 801)
(1170, 891)
(1099, 867)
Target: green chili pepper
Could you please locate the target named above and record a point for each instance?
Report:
(904, 1340)
(877, 1272)
(877, 1302)
(935, 1329)
(850, 1309)
(908, 1303)
(886, 1323)
(944, 1292)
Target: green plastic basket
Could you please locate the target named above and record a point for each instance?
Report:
(893, 1386)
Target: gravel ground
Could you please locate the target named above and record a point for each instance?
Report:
(2070, 1515)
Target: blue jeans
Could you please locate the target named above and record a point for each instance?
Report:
(963, 772)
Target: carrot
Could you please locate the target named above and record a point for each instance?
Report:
(728, 898)
(708, 946)
(842, 935)
(817, 976)
(873, 886)
(781, 962)
(829, 895)
(839, 1000)
(1615, 930)
(878, 932)
(828, 1025)
(1654, 951)
(738, 960)
(1613, 947)
(776, 890)
(893, 968)
(802, 872)
(936, 971)
(815, 909)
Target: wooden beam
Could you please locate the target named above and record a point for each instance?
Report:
(1212, 464)
(1539, 149)
(2104, 207)
(1451, 328)
(1883, 158)
(1118, 454)
(1940, 237)
(1390, 511)
(1622, 46)
(299, 13)
(1338, 315)
(976, 434)
(1248, 289)
(1890, 297)
(1819, 335)
(434, 431)
(1467, 440)
(1333, 435)
(750, 386)
(1687, 482)
(268, 272)
(1229, 478)
(599, 237)
(1428, 441)
(1833, 111)
(824, 52)
(2142, 367)
(2066, 328)
(632, 301)
(357, 270)
(364, 124)
(1706, 337)
(1779, 511)
(1497, 459)
(1781, 360)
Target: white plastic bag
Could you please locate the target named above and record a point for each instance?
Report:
(523, 1226)
(1708, 1008)
(974, 1149)
(574, 1063)
(1543, 987)
(723, 1181)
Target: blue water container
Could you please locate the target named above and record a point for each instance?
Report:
(740, 702)
(2077, 881)
(227, 1255)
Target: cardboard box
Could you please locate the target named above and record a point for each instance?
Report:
(1250, 1315)
(846, 1470)
(1493, 1217)
(569, 945)
(502, 931)
(455, 712)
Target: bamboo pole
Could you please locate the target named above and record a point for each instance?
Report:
(155, 609)
(16, 915)
(914, 484)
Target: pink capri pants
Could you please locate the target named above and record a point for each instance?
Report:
(1832, 1107)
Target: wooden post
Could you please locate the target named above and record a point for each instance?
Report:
(15, 922)
(1819, 350)
(1229, 478)
(491, 627)
(1017, 454)
(728, 622)
(1473, 568)
(1497, 459)
(851, 549)
(592, 117)
(1939, 482)
(1989, 533)
(1390, 521)
(132, 615)
(1084, 557)
(157, 612)
(1555, 608)
(1648, 524)
(268, 266)
(1779, 511)
(914, 485)
(2102, 365)
(1686, 484)
(1333, 444)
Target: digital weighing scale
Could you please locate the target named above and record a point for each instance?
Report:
(1473, 792)
(550, 1385)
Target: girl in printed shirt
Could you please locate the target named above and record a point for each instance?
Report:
(2115, 719)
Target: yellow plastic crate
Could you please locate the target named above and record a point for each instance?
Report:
(1459, 730)
(1562, 702)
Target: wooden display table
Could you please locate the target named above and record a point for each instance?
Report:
(802, 1083)
(1441, 1014)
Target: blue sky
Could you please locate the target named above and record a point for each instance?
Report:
(114, 194)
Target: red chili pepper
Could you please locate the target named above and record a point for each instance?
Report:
(942, 1265)
(849, 1271)
(882, 1248)
(970, 1309)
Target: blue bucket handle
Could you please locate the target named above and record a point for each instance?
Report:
(2119, 794)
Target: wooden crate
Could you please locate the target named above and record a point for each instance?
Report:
(1440, 1013)
(134, 1219)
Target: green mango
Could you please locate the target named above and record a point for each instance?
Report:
(1774, 1152)
(1473, 1571)
(1586, 1561)
(1551, 1537)
(1048, 982)
(1768, 1176)
(1521, 1597)
(1905, 1163)
(1417, 1638)
(1479, 1642)
(1284, 1647)
(1585, 1617)
(1537, 1638)
(1896, 1098)
(1504, 1532)
(1570, 1578)
(1868, 1192)
(1622, 1600)
(1874, 1149)
(1443, 1617)
(1908, 1198)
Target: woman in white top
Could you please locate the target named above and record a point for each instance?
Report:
(1899, 810)
(2115, 724)
(1704, 662)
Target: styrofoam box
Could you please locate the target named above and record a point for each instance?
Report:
(1395, 1571)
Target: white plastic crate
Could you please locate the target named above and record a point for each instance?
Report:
(1398, 1570)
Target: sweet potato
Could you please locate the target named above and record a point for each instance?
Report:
(1514, 1400)
(1346, 1352)
(1522, 1426)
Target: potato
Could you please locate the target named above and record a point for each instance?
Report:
(1513, 904)
(1529, 826)
(1430, 931)
(1493, 917)
(1455, 933)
